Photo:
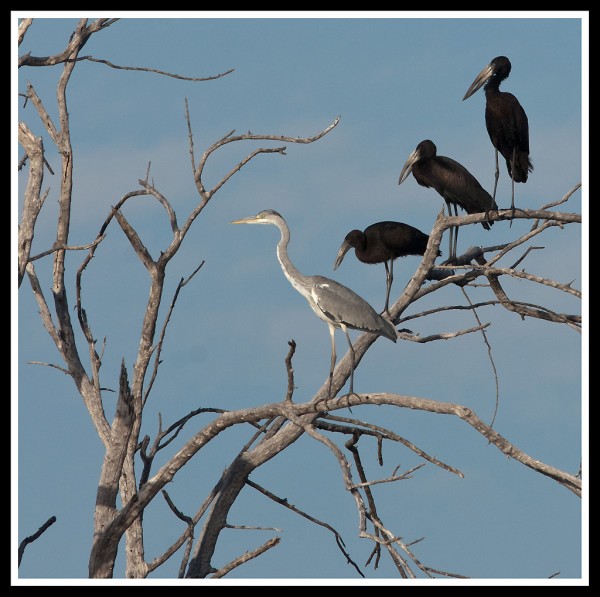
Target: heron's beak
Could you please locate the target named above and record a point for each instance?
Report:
(346, 246)
(480, 80)
(407, 168)
(248, 220)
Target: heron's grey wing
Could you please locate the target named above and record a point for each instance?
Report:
(339, 304)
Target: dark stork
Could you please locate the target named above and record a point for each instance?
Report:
(452, 181)
(506, 122)
(383, 242)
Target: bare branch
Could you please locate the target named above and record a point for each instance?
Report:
(163, 332)
(45, 314)
(77, 41)
(290, 371)
(136, 242)
(536, 310)
(522, 258)
(363, 428)
(61, 369)
(441, 336)
(241, 164)
(112, 469)
(91, 245)
(173, 430)
(442, 573)
(564, 199)
(489, 351)
(344, 465)
(527, 310)
(151, 190)
(284, 502)
(392, 479)
(498, 271)
(33, 202)
(158, 72)
(131, 510)
(35, 536)
(44, 116)
(249, 555)
(23, 27)
(244, 527)
(190, 136)
(229, 138)
(178, 513)
(567, 480)
(371, 514)
(188, 536)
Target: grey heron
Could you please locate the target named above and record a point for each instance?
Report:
(383, 242)
(452, 181)
(337, 305)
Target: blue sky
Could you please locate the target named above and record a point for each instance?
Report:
(394, 79)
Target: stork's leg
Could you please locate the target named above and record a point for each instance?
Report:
(389, 278)
(497, 176)
(333, 358)
(451, 232)
(455, 247)
(512, 176)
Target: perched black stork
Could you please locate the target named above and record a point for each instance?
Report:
(383, 242)
(452, 181)
(506, 122)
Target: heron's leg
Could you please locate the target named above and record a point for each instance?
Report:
(389, 278)
(497, 176)
(351, 358)
(333, 358)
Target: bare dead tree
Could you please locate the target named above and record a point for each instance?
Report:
(121, 500)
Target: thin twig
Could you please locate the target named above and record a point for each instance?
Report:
(154, 70)
(163, 332)
(441, 336)
(380, 433)
(286, 504)
(392, 479)
(35, 536)
(249, 555)
(68, 248)
(290, 371)
(489, 350)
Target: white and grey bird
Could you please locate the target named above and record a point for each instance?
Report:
(337, 305)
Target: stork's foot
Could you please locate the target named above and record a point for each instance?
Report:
(347, 397)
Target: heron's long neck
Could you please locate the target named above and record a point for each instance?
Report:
(295, 278)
